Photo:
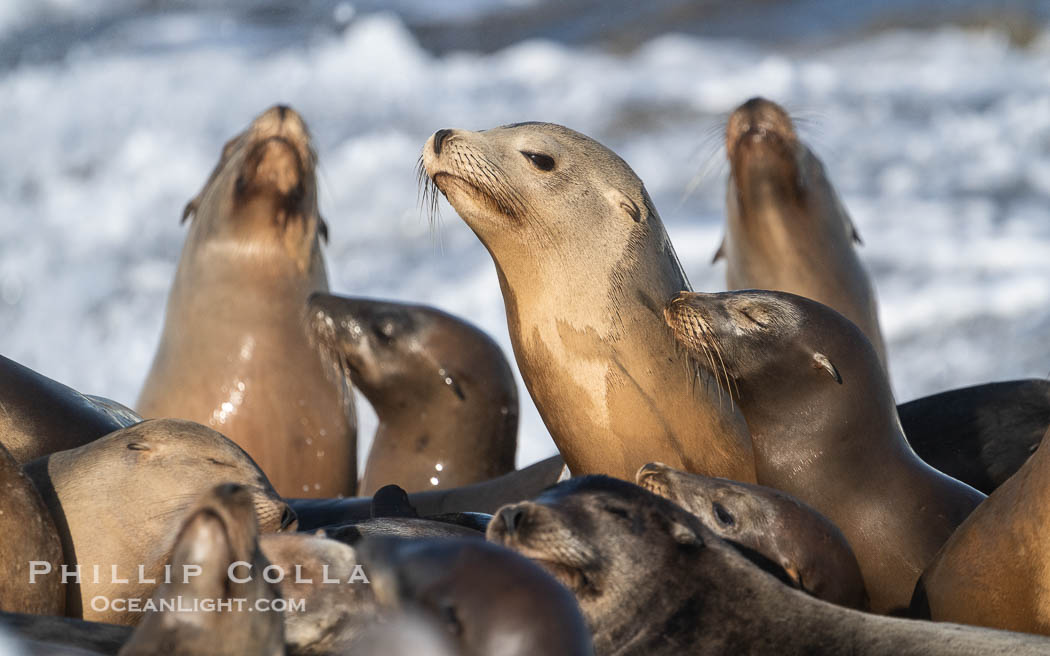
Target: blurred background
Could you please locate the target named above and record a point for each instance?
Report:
(932, 117)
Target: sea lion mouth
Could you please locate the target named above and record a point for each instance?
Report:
(326, 334)
(691, 327)
(463, 173)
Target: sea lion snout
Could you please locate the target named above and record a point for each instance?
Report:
(758, 118)
(653, 477)
(438, 139)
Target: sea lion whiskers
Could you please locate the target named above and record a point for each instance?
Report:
(690, 328)
(427, 194)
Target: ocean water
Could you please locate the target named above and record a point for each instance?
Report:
(938, 139)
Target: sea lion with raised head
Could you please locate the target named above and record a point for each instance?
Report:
(117, 501)
(585, 265)
(334, 602)
(484, 497)
(29, 544)
(786, 228)
(810, 548)
(825, 427)
(234, 354)
(993, 570)
(443, 391)
(652, 580)
(491, 600)
(980, 435)
(219, 601)
(42, 416)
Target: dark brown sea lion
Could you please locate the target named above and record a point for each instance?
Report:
(234, 354)
(483, 497)
(227, 607)
(993, 571)
(492, 600)
(332, 599)
(29, 544)
(786, 228)
(980, 435)
(42, 416)
(91, 636)
(652, 580)
(118, 500)
(810, 548)
(825, 428)
(585, 266)
(442, 389)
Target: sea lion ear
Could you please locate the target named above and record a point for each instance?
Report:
(793, 574)
(721, 252)
(821, 361)
(623, 203)
(189, 211)
(685, 534)
(322, 228)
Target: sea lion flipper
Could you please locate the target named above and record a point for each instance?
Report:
(720, 253)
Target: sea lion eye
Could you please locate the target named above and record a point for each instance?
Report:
(452, 622)
(540, 161)
(723, 515)
(137, 446)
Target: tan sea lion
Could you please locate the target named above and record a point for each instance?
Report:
(585, 266)
(980, 435)
(42, 416)
(993, 570)
(652, 580)
(484, 497)
(29, 543)
(220, 601)
(334, 601)
(442, 389)
(786, 228)
(810, 548)
(234, 354)
(117, 501)
(491, 600)
(825, 427)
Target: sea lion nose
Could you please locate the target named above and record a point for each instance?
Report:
(439, 139)
(282, 111)
(512, 517)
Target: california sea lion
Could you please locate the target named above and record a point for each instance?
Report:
(42, 416)
(825, 427)
(234, 354)
(442, 389)
(993, 569)
(585, 266)
(492, 600)
(980, 435)
(811, 549)
(116, 502)
(652, 580)
(337, 603)
(484, 497)
(29, 543)
(225, 608)
(786, 228)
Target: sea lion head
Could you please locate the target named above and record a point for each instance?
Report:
(265, 186)
(774, 174)
(218, 532)
(397, 353)
(490, 599)
(774, 340)
(537, 187)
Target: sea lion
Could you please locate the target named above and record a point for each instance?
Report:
(652, 580)
(42, 416)
(116, 502)
(322, 575)
(234, 354)
(980, 435)
(484, 497)
(29, 544)
(812, 550)
(91, 636)
(443, 392)
(825, 427)
(492, 600)
(786, 228)
(227, 607)
(585, 265)
(992, 571)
